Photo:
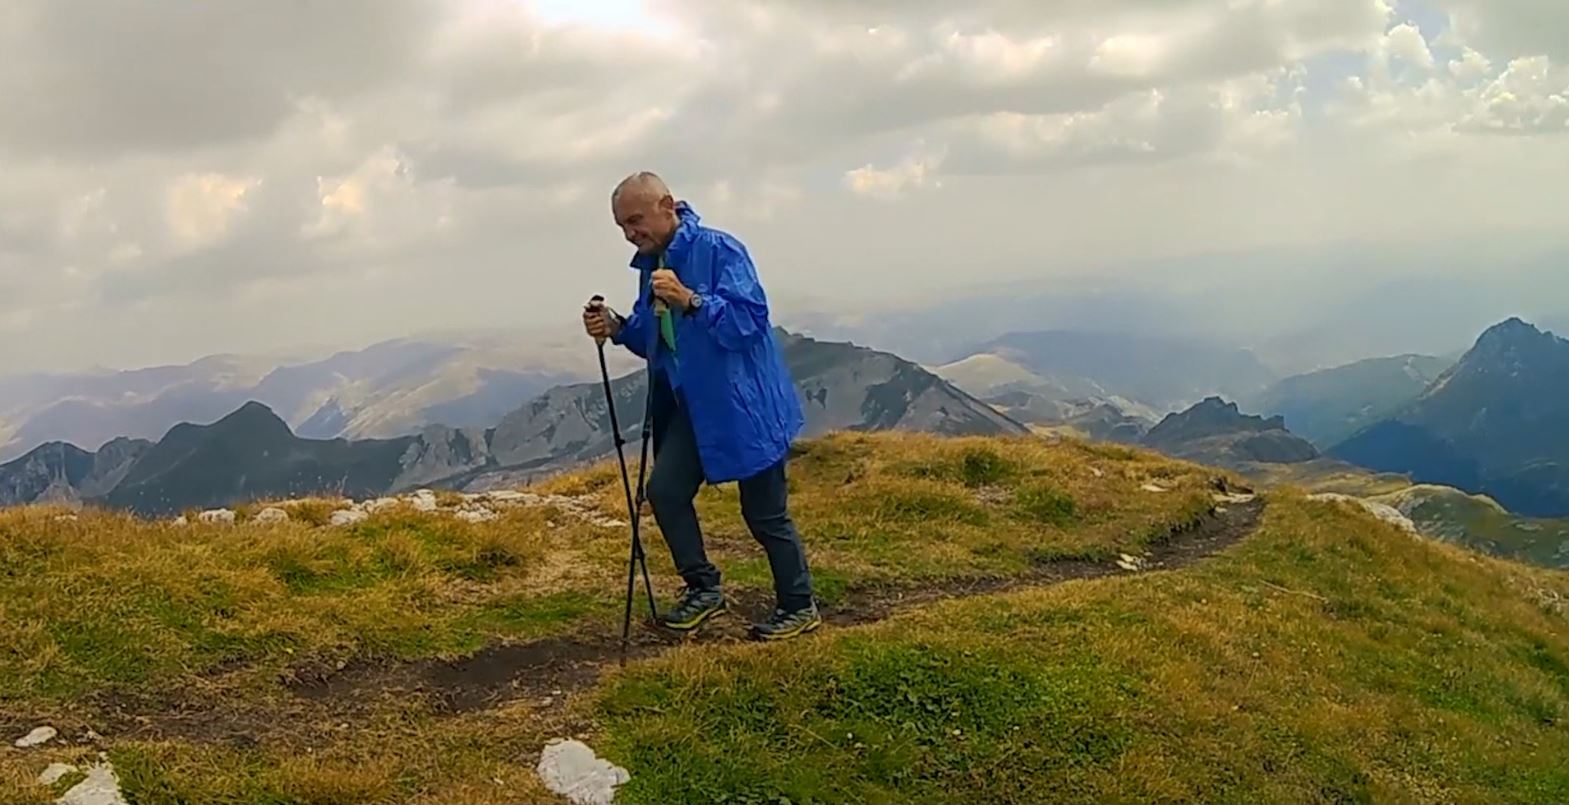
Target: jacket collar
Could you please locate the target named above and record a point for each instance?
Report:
(680, 242)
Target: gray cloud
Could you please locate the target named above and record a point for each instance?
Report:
(80, 76)
(182, 180)
(1521, 27)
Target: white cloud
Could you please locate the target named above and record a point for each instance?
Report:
(1471, 66)
(1405, 42)
(1132, 55)
(201, 207)
(1531, 94)
(890, 183)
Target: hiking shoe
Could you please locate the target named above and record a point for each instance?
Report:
(785, 625)
(696, 605)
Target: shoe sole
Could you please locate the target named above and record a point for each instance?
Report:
(695, 622)
(810, 626)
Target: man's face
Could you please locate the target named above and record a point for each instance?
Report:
(647, 220)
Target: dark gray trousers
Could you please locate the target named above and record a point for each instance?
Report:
(673, 484)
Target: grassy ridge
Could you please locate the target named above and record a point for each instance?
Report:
(1329, 659)
(1481, 524)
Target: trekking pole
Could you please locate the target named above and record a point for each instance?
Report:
(634, 507)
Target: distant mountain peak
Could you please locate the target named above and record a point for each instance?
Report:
(1494, 424)
(252, 413)
(1512, 329)
(1215, 404)
(1509, 347)
(1212, 416)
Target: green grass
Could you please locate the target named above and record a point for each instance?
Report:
(1322, 661)
(879, 721)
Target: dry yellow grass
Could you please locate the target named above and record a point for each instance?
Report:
(108, 609)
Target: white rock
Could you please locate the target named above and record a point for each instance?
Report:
(1096, 471)
(1221, 497)
(216, 516)
(572, 770)
(101, 787)
(506, 496)
(1154, 488)
(480, 515)
(425, 500)
(180, 521)
(1131, 563)
(348, 517)
(1388, 514)
(37, 737)
(373, 506)
(55, 771)
(272, 514)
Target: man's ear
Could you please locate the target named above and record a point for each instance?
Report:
(667, 203)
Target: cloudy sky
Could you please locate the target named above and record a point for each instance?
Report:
(178, 179)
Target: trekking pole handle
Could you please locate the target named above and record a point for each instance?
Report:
(597, 303)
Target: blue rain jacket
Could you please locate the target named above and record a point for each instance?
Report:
(728, 368)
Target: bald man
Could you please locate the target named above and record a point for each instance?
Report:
(724, 404)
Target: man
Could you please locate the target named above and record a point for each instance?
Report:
(724, 405)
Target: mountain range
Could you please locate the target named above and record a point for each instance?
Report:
(253, 453)
(1166, 374)
(1495, 423)
(393, 388)
(441, 412)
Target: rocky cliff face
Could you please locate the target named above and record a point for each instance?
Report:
(63, 473)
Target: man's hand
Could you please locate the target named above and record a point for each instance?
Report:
(670, 289)
(598, 321)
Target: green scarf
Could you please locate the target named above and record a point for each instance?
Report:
(667, 323)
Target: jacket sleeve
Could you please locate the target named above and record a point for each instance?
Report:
(734, 309)
(634, 331)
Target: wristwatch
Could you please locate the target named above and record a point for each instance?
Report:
(694, 304)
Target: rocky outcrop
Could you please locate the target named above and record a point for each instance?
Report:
(1215, 432)
(1211, 417)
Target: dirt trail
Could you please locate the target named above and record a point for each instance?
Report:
(557, 667)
